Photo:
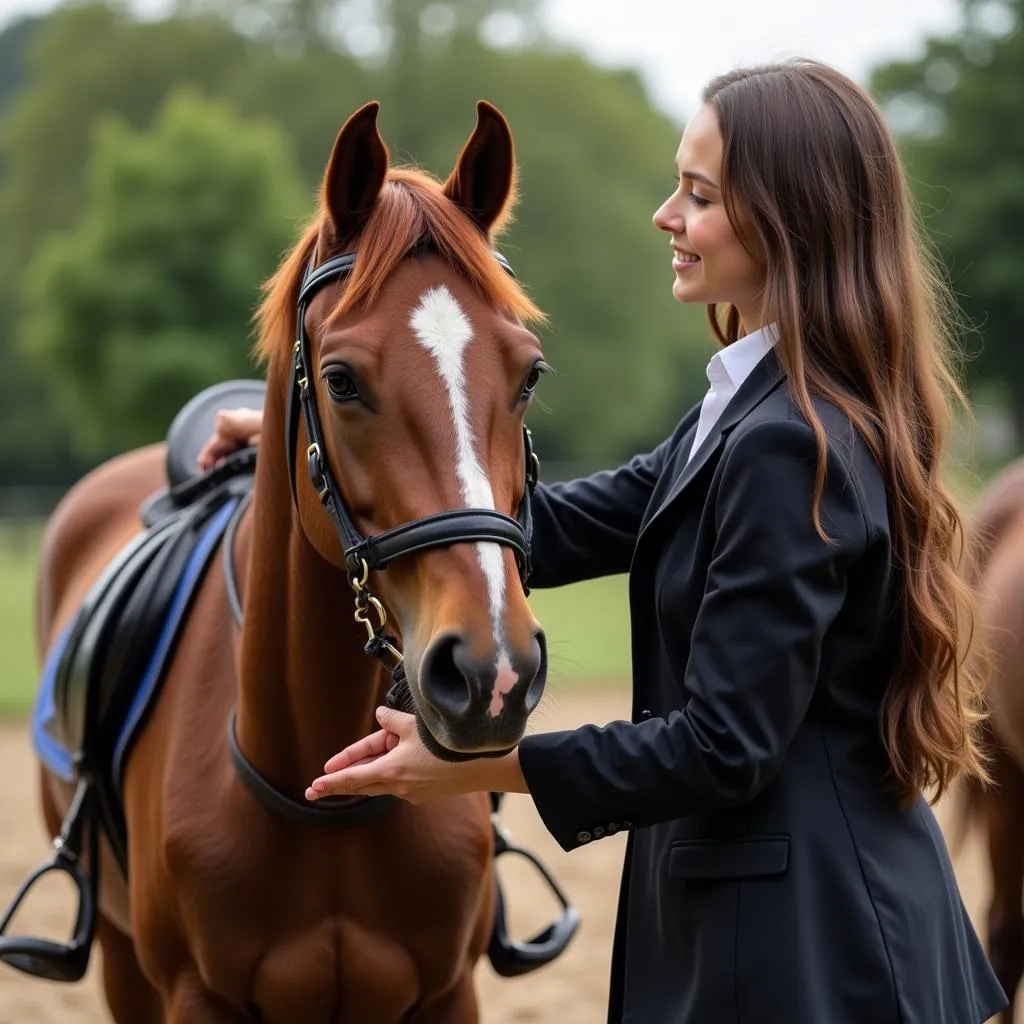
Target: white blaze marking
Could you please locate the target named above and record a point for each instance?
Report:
(504, 679)
(444, 330)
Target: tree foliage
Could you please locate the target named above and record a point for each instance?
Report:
(149, 297)
(958, 109)
(14, 41)
(595, 159)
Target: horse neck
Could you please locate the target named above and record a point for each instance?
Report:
(306, 689)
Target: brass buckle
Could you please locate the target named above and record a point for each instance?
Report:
(313, 451)
(364, 602)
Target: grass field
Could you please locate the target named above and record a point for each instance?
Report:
(586, 624)
(18, 668)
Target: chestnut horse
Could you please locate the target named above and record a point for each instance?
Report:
(998, 564)
(417, 371)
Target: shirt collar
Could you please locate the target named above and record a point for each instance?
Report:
(733, 363)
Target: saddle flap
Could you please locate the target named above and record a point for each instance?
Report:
(90, 634)
(105, 672)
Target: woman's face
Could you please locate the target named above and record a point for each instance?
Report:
(709, 260)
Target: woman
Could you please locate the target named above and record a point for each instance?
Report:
(798, 621)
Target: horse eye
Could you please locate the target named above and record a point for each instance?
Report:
(341, 386)
(533, 380)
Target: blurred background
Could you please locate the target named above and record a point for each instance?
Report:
(157, 158)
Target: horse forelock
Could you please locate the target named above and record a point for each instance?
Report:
(411, 214)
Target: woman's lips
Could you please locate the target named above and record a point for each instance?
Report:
(684, 260)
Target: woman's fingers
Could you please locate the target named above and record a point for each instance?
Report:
(396, 726)
(368, 767)
(363, 778)
(369, 747)
(233, 429)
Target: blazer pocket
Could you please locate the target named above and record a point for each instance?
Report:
(728, 858)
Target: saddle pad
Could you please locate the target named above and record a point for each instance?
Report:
(54, 755)
(51, 751)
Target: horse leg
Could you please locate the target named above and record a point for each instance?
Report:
(130, 996)
(457, 1006)
(1004, 813)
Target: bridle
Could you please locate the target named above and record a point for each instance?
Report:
(442, 529)
(363, 554)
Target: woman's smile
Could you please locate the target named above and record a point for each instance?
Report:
(683, 260)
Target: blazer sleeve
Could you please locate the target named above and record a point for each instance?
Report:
(773, 589)
(588, 527)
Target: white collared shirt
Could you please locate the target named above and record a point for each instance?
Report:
(729, 368)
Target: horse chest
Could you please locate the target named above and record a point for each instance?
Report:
(356, 926)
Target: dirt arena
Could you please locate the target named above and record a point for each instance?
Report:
(571, 991)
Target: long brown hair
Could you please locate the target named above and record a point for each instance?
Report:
(865, 322)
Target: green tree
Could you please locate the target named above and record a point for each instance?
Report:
(33, 442)
(88, 60)
(393, 30)
(959, 112)
(150, 296)
(14, 41)
(595, 159)
(80, 62)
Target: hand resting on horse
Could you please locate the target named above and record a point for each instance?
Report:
(234, 429)
(394, 760)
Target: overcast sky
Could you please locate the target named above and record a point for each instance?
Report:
(679, 44)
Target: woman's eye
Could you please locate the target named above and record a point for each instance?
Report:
(699, 201)
(341, 386)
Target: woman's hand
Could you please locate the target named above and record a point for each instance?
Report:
(394, 761)
(234, 429)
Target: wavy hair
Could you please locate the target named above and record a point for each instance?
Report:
(814, 185)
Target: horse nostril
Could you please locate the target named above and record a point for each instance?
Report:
(443, 680)
(536, 671)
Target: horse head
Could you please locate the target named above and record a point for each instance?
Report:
(416, 361)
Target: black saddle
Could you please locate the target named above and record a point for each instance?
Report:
(113, 662)
(108, 667)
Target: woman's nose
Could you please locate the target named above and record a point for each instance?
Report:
(669, 217)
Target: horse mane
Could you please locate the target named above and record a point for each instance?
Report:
(411, 213)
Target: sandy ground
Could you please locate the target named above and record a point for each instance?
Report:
(573, 990)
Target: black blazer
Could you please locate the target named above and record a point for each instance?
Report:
(770, 876)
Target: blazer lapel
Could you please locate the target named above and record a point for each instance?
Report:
(763, 379)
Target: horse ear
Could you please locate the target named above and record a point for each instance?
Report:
(483, 182)
(355, 173)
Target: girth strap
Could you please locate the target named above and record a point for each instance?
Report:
(331, 812)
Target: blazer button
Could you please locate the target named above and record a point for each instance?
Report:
(613, 827)
(627, 824)
(598, 832)
(583, 837)
(644, 715)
